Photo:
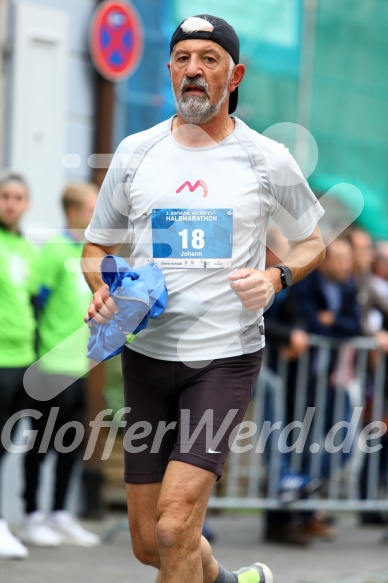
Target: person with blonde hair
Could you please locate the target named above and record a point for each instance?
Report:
(61, 369)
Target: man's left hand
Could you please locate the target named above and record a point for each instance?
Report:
(255, 288)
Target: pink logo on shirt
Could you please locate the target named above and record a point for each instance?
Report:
(192, 188)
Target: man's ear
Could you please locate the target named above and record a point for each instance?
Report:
(70, 213)
(237, 77)
(169, 68)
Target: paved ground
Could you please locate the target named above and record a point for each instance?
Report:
(358, 555)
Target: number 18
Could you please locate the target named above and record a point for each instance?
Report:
(197, 238)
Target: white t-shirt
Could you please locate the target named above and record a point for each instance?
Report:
(200, 214)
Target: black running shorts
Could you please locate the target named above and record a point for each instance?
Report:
(184, 413)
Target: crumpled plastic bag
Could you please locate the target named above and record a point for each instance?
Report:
(138, 293)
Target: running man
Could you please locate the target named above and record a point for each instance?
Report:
(200, 359)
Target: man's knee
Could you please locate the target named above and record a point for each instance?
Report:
(146, 552)
(142, 500)
(175, 525)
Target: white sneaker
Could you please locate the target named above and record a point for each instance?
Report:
(10, 546)
(35, 532)
(70, 530)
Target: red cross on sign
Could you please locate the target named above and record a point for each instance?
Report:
(116, 39)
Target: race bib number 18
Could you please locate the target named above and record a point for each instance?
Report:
(192, 237)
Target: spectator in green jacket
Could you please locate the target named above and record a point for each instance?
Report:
(61, 372)
(18, 286)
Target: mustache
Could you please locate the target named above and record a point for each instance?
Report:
(194, 82)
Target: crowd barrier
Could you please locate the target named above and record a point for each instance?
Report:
(322, 416)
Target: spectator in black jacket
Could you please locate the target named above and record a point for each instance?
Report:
(329, 303)
(328, 298)
(286, 340)
(371, 269)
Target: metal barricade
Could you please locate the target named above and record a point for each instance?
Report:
(321, 417)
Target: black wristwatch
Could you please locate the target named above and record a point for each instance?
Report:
(285, 275)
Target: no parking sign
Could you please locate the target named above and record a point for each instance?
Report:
(116, 39)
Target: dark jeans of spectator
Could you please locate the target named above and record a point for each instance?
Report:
(12, 400)
(71, 410)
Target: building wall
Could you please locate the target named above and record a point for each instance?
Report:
(3, 20)
(72, 134)
(50, 100)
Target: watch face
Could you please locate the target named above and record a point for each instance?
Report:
(287, 274)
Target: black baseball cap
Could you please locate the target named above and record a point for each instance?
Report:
(222, 34)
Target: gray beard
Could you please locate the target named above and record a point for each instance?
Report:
(197, 109)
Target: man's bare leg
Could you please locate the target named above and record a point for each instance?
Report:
(166, 522)
(142, 504)
(142, 501)
(185, 556)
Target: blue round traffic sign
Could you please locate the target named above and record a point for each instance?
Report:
(116, 39)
